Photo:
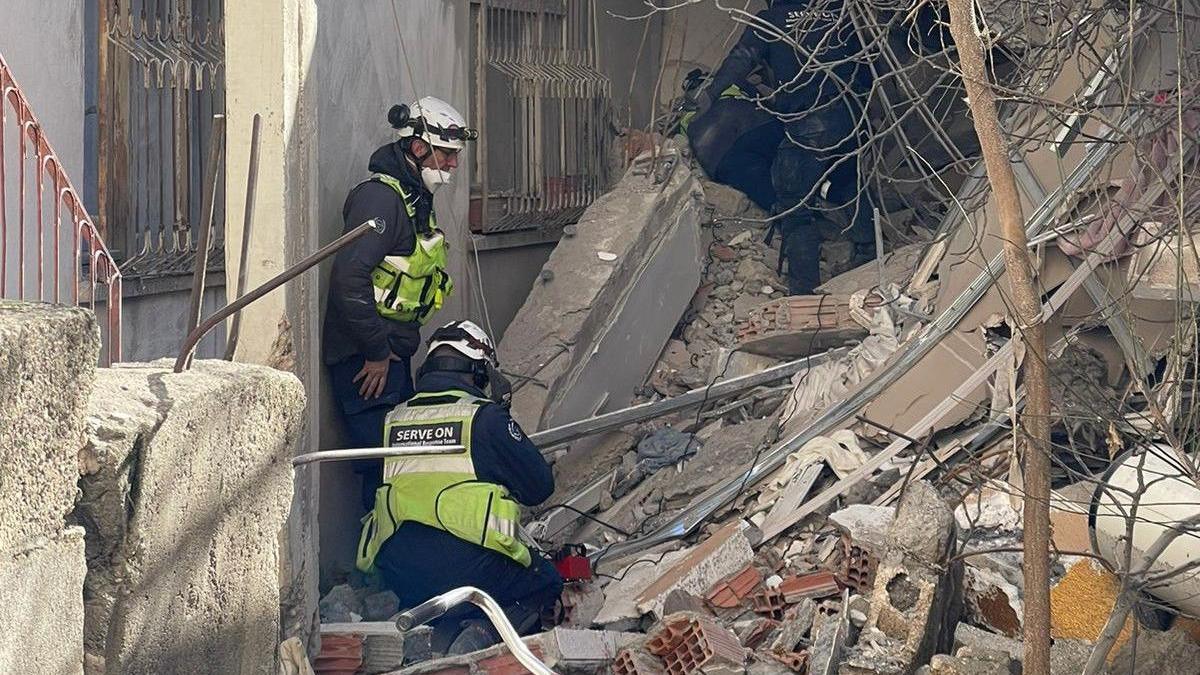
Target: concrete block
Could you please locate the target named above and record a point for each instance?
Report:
(41, 593)
(47, 363)
(724, 553)
(186, 491)
(590, 335)
(917, 598)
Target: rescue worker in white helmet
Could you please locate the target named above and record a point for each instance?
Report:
(383, 287)
(449, 518)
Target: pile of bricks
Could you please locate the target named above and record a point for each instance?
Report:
(800, 325)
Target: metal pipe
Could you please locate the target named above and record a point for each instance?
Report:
(549, 438)
(235, 326)
(215, 154)
(373, 453)
(375, 224)
(439, 605)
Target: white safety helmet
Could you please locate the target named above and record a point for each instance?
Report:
(467, 339)
(437, 123)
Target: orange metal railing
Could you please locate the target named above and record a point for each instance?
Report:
(37, 204)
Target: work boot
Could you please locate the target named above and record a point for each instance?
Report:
(802, 251)
(476, 634)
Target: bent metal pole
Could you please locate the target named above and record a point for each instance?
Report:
(373, 225)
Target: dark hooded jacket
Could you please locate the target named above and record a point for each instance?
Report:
(808, 81)
(353, 327)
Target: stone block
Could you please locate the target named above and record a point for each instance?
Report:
(591, 334)
(186, 488)
(47, 363)
(917, 598)
(41, 593)
(724, 553)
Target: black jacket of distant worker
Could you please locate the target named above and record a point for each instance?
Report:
(811, 58)
(354, 330)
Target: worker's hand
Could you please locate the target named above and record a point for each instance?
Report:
(374, 375)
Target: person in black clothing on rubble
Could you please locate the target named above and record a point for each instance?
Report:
(815, 94)
(384, 286)
(448, 512)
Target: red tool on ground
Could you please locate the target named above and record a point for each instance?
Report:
(572, 563)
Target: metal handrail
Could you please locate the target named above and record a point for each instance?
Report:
(88, 245)
(439, 605)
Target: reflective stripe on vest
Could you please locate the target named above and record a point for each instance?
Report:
(439, 489)
(732, 91)
(412, 287)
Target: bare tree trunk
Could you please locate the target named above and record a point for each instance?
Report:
(1025, 297)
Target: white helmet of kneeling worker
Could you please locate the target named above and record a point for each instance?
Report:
(466, 338)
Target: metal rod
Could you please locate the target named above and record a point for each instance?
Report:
(247, 223)
(215, 148)
(375, 224)
(616, 419)
(439, 605)
(373, 453)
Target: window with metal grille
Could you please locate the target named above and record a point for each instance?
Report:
(542, 109)
(162, 79)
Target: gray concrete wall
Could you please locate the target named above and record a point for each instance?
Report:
(359, 71)
(619, 58)
(510, 274)
(42, 42)
(186, 487)
(47, 365)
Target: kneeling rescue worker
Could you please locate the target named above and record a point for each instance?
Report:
(445, 519)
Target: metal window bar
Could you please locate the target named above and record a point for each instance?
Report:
(40, 259)
(162, 81)
(540, 87)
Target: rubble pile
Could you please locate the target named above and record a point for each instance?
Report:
(865, 515)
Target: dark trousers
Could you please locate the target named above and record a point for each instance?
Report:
(362, 419)
(747, 165)
(799, 167)
(419, 562)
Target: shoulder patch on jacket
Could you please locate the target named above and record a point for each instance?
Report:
(515, 431)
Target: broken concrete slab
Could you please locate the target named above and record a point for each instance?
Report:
(990, 600)
(898, 268)
(973, 661)
(722, 554)
(866, 525)
(47, 364)
(41, 590)
(966, 635)
(620, 604)
(608, 318)
(186, 487)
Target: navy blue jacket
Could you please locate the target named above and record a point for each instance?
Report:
(353, 327)
(825, 32)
